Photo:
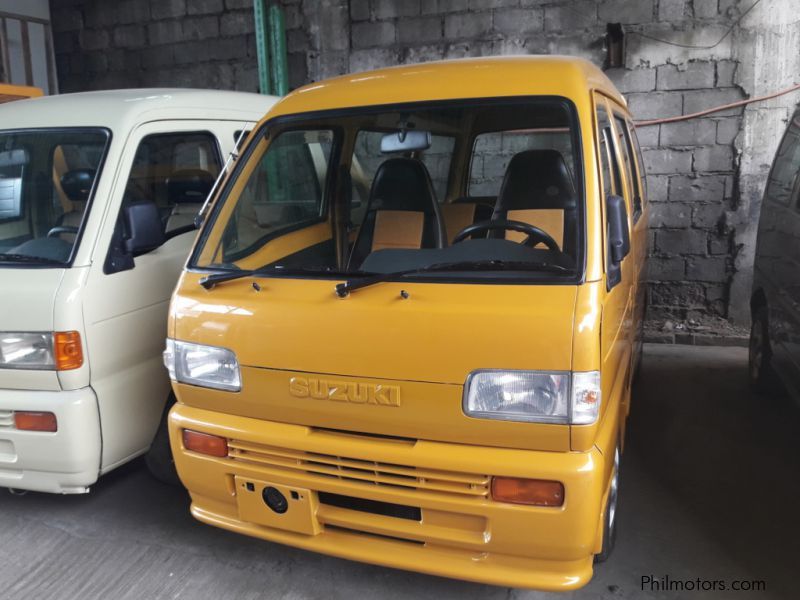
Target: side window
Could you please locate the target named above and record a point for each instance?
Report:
(639, 163)
(286, 190)
(610, 183)
(783, 178)
(492, 152)
(626, 151)
(239, 137)
(177, 172)
(610, 171)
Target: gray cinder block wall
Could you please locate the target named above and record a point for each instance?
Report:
(706, 176)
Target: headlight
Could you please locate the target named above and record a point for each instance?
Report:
(204, 366)
(26, 351)
(534, 396)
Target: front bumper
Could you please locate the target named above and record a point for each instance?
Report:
(459, 532)
(64, 462)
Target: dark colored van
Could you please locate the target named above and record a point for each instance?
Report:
(775, 303)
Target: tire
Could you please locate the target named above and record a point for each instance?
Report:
(159, 458)
(759, 367)
(610, 520)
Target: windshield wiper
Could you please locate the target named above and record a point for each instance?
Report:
(28, 258)
(343, 289)
(209, 281)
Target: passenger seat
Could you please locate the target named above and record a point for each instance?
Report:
(538, 189)
(402, 211)
(187, 190)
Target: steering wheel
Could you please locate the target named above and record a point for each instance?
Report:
(56, 231)
(535, 235)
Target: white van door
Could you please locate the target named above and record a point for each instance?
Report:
(173, 165)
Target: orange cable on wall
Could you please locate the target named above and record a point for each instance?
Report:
(709, 111)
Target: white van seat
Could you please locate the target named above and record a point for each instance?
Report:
(187, 190)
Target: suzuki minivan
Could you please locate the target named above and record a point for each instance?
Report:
(407, 331)
(10, 93)
(98, 197)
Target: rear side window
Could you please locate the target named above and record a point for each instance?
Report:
(610, 183)
(626, 151)
(492, 152)
(610, 170)
(783, 178)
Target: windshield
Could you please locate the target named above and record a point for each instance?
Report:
(464, 190)
(46, 181)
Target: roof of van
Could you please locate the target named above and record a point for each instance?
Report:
(453, 79)
(120, 109)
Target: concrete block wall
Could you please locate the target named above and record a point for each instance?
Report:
(705, 176)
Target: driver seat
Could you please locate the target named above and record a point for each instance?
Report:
(77, 185)
(538, 189)
(402, 211)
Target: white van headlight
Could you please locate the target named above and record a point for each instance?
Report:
(533, 396)
(204, 366)
(26, 351)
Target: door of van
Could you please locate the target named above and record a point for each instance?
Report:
(778, 254)
(618, 308)
(125, 309)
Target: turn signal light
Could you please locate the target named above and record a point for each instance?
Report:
(536, 492)
(205, 443)
(68, 351)
(35, 421)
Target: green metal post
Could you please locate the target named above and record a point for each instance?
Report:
(262, 45)
(277, 49)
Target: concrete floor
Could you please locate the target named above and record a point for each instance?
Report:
(710, 490)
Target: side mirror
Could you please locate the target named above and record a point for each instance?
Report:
(619, 237)
(143, 226)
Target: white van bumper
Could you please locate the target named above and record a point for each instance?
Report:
(64, 462)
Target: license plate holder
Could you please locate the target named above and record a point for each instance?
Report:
(300, 515)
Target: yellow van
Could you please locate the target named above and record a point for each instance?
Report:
(407, 332)
(9, 93)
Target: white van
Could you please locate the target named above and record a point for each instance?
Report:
(98, 197)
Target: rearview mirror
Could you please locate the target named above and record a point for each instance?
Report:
(143, 226)
(619, 239)
(405, 141)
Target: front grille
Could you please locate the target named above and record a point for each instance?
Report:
(361, 471)
(6, 419)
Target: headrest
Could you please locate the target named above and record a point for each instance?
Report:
(77, 184)
(402, 184)
(537, 179)
(189, 186)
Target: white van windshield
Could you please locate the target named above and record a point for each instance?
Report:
(46, 182)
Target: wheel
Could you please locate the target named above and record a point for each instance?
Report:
(159, 458)
(762, 377)
(610, 521)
